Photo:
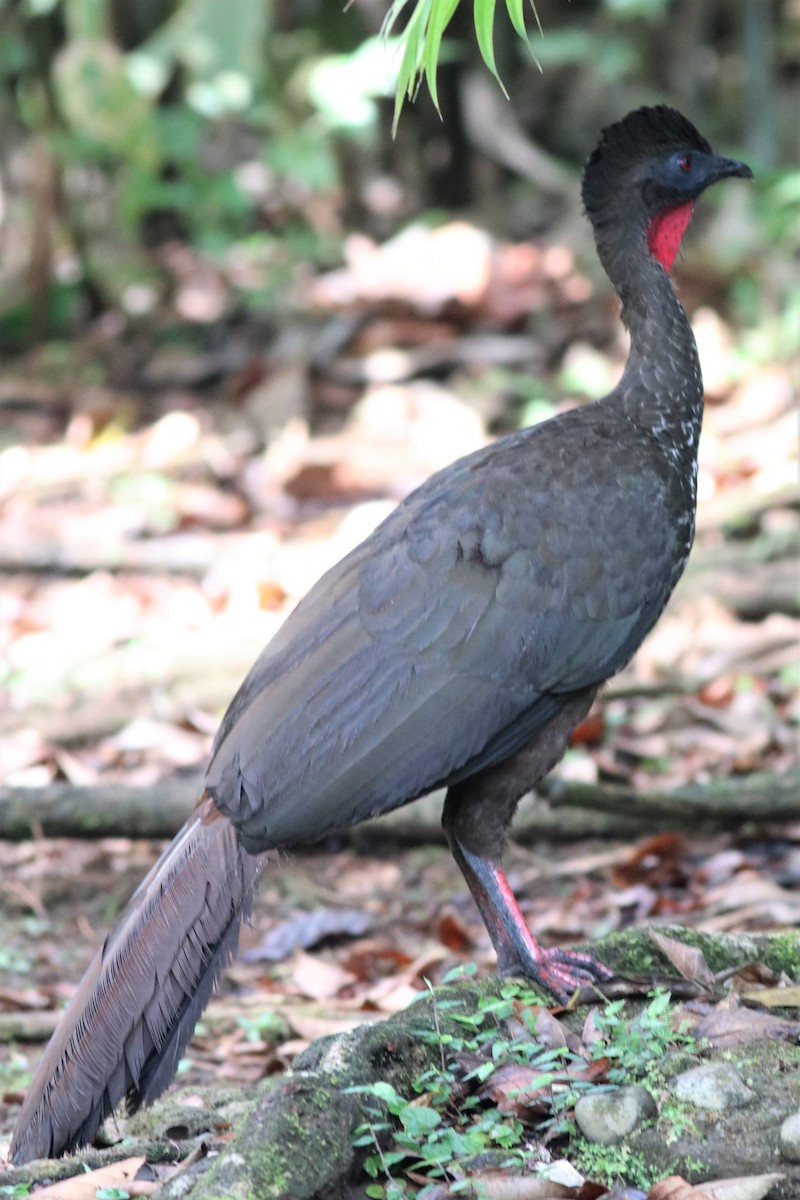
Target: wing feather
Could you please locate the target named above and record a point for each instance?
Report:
(447, 638)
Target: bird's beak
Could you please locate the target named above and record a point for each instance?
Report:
(726, 168)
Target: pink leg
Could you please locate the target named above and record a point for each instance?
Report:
(476, 816)
(560, 972)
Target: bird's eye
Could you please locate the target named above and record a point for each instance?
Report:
(685, 163)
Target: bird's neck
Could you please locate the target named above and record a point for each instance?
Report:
(662, 386)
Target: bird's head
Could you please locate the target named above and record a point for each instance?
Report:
(642, 179)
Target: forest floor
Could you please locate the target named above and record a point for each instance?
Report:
(166, 500)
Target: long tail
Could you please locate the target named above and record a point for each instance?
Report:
(127, 1025)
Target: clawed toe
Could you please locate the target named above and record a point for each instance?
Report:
(562, 973)
(581, 967)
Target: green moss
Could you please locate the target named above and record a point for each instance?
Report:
(676, 1119)
(612, 1165)
(632, 952)
(784, 953)
(315, 1105)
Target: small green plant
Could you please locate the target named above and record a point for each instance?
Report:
(494, 1080)
(264, 1027)
(632, 1045)
(614, 1165)
(455, 1114)
(677, 1120)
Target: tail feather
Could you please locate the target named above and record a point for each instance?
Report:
(127, 1025)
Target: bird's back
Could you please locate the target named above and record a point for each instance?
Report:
(531, 568)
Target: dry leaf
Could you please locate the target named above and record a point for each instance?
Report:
(675, 1187)
(687, 960)
(373, 958)
(86, 1185)
(775, 997)
(547, 1029)
(516, 1088)
(654, 860)
(389, 996)
(749, 1187)
(395, 992)
(310, 1026)
(723, 1028)
(562, 1172)
(305, 930)
(454, 933)
(502, 1185)
(317, 978)
(590, 1034)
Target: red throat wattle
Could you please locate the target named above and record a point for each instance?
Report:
(666, 230)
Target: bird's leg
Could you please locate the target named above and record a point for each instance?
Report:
(476, 817)
(559, 972)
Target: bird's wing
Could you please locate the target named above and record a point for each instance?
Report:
(435, 648)
(382, 683)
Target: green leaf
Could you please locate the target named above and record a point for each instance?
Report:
(392, 1157)
(418, 1119)
(98, 101)
(385, 1092)
(517, 19)
(484, 28)
(422, 39)
(536, 15)
(410, 66)
(201, 36)
(440, 18)
(457, 973)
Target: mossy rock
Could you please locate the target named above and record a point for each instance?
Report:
(295, 1143)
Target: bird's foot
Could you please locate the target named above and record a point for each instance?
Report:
(561, 973)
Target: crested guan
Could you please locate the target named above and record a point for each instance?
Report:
(458, 646)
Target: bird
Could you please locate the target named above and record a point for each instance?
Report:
(457, 647)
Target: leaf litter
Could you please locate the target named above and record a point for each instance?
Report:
(149, 552)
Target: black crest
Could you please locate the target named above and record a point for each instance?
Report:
(645, 133)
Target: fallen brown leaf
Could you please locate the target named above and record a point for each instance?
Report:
(528, 1091)
(655, 861)
(675, 1187)
(736, 1027)
(687, 960)
(454, 933)
(547, 1029)
(86, 1185)
(396, 992)
(305, 930)
(373, 958)
(317, 978)
(750, 1187)
(590, 1034)
(748, 975)
(502, 1185)
(311, 1026)
(775, 997)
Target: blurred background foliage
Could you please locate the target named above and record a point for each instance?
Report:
(147, 140)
